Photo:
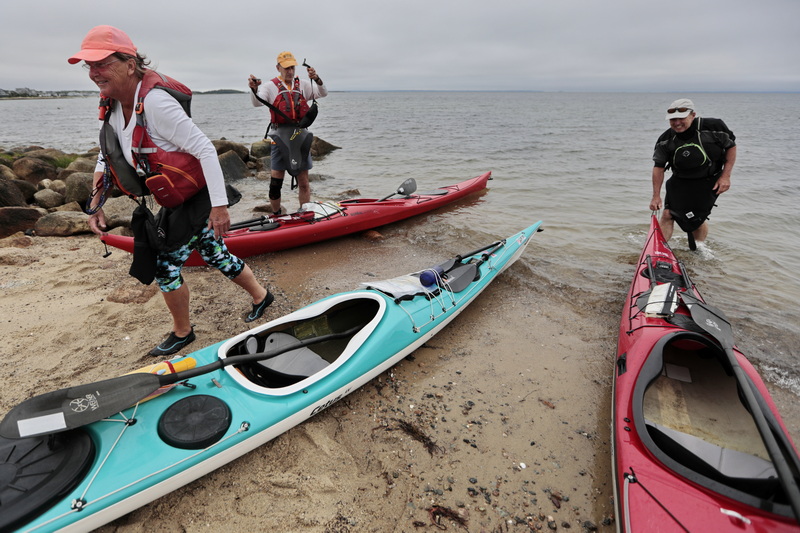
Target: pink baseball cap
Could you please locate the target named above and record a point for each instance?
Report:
(101, 42)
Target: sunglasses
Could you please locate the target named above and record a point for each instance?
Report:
(678, 109)
(99, 66)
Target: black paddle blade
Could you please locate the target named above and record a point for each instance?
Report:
(712, 320)
(460, 277)
(407, 187)
(65, 409)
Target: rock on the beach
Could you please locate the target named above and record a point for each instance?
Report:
(27, 189)
(233, 168)
(223, 146)
(261, 149)
(48, 199)
(62, 223)
(6, 173)
(17, 240)
(79, 187)
(34, 170)
(14, 219)
(320, 148)
(82, 164)
(10, 195)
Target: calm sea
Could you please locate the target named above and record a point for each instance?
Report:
(580, 162)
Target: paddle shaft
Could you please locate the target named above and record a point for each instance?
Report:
(460, 277)
(54, 411)
(407, 187)
(168, 379)
(785, 475)
(448, 265)
(650, 271)
(717, 329)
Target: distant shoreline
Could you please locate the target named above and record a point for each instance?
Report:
(57, 95)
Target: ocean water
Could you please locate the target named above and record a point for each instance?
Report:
(579, 161)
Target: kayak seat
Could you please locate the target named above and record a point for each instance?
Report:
(285, 369)
(741, 471)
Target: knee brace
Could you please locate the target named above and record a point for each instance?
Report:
(275, 188)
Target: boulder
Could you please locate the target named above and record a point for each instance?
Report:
(17, 240)
(118, 212)
(27, 189)
(64, 173)
(72, 206)
(10, 195)
(83, 164)
(224, 145)
(262, 148)
(14, 219)
(321, 148)
(233, 168)
(34, 170)
(50, 155)
(62, 223)
(48, 199)
(59, 186)
(7, 174)
(78, 187)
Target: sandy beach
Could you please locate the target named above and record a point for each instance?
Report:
(513, 394)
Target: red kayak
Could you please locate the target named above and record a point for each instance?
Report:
(698, 444)
(328, 220)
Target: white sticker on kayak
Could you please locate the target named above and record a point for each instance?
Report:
(41, 425)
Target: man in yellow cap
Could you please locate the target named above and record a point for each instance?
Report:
(287, 97)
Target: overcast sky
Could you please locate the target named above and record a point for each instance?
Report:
(542, 45)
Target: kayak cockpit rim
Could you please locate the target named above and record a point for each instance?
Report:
(683, 453)
(309, 320)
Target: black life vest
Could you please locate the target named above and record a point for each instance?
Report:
(689, 159)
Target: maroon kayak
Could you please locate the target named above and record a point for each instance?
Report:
(328, 220)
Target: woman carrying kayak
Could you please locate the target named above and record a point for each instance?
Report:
(146, 134)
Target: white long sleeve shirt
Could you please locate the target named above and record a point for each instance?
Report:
(268, 91)
(171, 129)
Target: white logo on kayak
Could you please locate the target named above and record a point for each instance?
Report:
(330, 402)
(79, 405)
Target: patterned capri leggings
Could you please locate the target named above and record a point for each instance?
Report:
(213, 252)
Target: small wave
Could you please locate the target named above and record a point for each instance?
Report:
(705, 252)
(781, 377)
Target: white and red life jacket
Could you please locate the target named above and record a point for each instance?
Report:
(177, 170)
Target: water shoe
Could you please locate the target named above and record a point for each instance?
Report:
(172, 344)
(258, 309)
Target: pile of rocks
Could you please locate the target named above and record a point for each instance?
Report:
(39, 195)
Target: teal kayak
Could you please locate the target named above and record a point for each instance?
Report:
(78, 458)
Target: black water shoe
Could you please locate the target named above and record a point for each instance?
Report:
(258, 309)
(173, 344)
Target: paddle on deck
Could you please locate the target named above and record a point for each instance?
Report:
(405, 188)
(716, 324)
(461, 276)
(78, 406)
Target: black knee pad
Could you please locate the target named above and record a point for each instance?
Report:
(275, 188)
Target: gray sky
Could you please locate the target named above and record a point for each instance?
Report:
(542, 45)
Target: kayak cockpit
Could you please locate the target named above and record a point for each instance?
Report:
(688, 409)
(295, 368)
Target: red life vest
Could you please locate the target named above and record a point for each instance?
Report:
(291, 103)
(169, 176)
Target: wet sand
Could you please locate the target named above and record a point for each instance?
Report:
(513, 396)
